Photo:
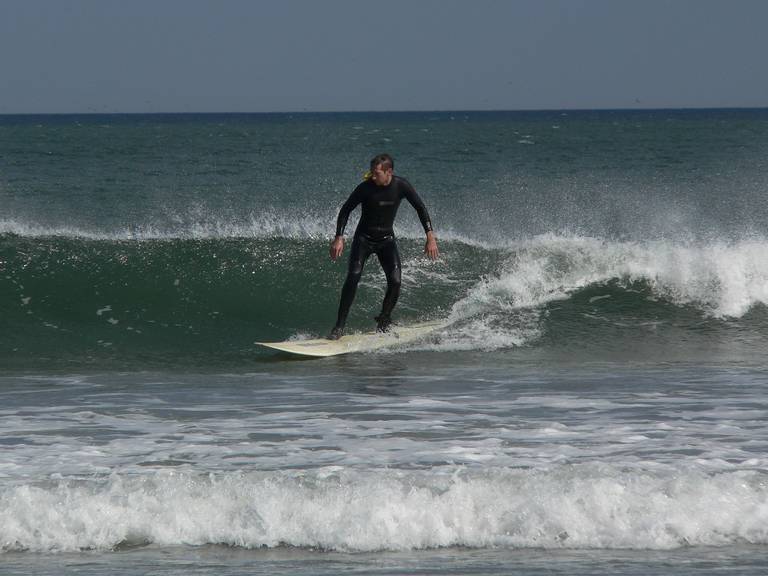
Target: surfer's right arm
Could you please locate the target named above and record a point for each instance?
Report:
(337, 245)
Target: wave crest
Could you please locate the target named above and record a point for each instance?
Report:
(724, 279)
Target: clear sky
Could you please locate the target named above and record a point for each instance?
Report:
(335, 55)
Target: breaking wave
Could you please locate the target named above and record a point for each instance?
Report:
(584, 506)
(204, 296)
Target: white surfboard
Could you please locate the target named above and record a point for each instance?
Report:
(355, 342)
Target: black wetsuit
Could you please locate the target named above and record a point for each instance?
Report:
(374, 235)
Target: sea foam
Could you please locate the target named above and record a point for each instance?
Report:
(724, 279)
(508, 306)
(585, 506)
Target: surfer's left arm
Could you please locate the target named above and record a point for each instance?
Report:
(430, 248)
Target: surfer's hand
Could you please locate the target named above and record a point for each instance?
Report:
(337, 247)
(430, 248)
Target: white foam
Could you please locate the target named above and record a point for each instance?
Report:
(722, 279)
(590, 506)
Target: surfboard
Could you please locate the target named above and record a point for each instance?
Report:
(365, 342)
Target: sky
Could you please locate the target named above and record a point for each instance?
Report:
(83, 56)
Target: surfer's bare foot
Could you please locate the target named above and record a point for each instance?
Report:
(336, 333)
(383, 323)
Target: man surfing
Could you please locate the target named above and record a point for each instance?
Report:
(380, 195)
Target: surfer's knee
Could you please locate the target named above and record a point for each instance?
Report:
(394, 278)
(355, 267)
(353, 275)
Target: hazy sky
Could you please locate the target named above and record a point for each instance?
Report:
(331, 55)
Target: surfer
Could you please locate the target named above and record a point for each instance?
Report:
(380, 195)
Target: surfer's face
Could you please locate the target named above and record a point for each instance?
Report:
(381, 176)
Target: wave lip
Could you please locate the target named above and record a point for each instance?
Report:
(265, 224)
(583, 506)
(724, 279)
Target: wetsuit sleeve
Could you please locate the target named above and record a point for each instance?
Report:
(415, 200)
(354, 199)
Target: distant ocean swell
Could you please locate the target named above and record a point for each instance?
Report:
(577, 506)
(220, 294)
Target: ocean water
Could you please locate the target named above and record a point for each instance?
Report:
(596, 403)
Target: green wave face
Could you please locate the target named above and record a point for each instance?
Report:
(116, 303)
(80, 299)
